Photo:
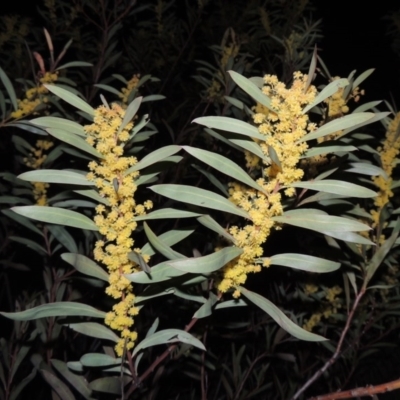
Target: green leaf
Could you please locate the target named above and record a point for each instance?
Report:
(63, 237)
(58, 386)
(56, 215)
(338, 124)
(168, 336)
(336, 187)
(167, 213)
(328, 91)
(231, 303)
(216, 182)
(93, 194)
(367, 169)
(57, 309)
(160, 246)
(85, 266)
(224, 165)
(22, 220)
(139, 260)
(249, 145)
(169, 238)
(361, 78)
(99, 360)
(251, 89)
(155, 156)
(130, 113)
(279, 317)
(74, 140)
(95, 330)
(153, 97)
(206, 309)
(9, 88)
(30, 244)
(230, 125)
(349, 237)
(198, 197)
(209, 263)
(316, 151)
(70, 98)
(78, 382)
(21, 385)
(60, 123)
(210, 223)
(110, 384)
(319, 221)
(56, 176)
(108, 88)
(304, 262)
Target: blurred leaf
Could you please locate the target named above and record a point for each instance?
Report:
(224, 165)
(231, 303)
(230, 125)
(168, 336)
(209, 263)
(70, 98)
(198, 197)
(206, 309)
(108, 88)
(251, 89)
(23, 221)
(57, 309)
(99, 360)
(160, 246)
(95, 330)
(362, 77)
(85, 266)
(60, 123)
(64, 237)
(167, 213)
(109, 384)
(21, 385)
(328, 91)
(74, 140)
(56, 216)
(338, 124)
(155, 156)
(311, 70)
(316, 151)
(78, 382)
(318, 221)
(153, 97)
(56, 176)
(93, 194)
(336, 187)
(367, 169)
(349, 237)
(219, 185)
(279, 317)
(9, 88)
(58, 386)
(304, 262)
(210, 223)
(30, 244)
(139, 260)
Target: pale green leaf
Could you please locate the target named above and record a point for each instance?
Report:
(361, 78)
(198, 197)
(56, 176)
(139, 260)
(130, 112)
(85, 266)
(316, 151)
(64, 237)
(99, 360)
(94, 329)
(279, 317)
(367, 169)
(304, 262)
(57, 385)
(206, 309)
(74, 64)
(231, 303)
(9, 88)
(60, 123)
(209, 263)
(56, 215)
(351, 237)
(93, 194)
(167, 213)
(210, 223)
(70, 98)
(110, 384)
(57, 309)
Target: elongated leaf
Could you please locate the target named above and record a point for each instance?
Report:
(9, 88)
(167, 213)
(108, 88)
(56, 176)
(320, 222)
(361, 78)
(304, 262)
(206, 309)
(159, 273)
(349, 237)
(316, 151)
(60, 123)
(70, 98)
(210, 223)
(58, 386)
(94, 329)
(216, 182)
(160, 246)
(154, 157)
(31, 244)
(279, 317)
(367, 169)
(198, 197)
(153, 97)
(110, 384)
(22, 220)
(58, 309)
(224, 165)
(139, 260)
(74, 140)
(251, 89)
(56, 215)
(63, 237)
(209, 263)
(168, 336)
(85, 266)
(230, 125)
(336, 187)
(98, 360)
(21, 385)
(169, 238)
(328, 91)
(249, 145)
(130, 112)
(338, 124)
(92, 194)
(231, 303)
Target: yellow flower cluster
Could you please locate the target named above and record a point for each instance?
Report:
(35, 160)
(331, 307)
(126, 91)
(115, 221)
(34, 97)
(282, 128)
(388, 153)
